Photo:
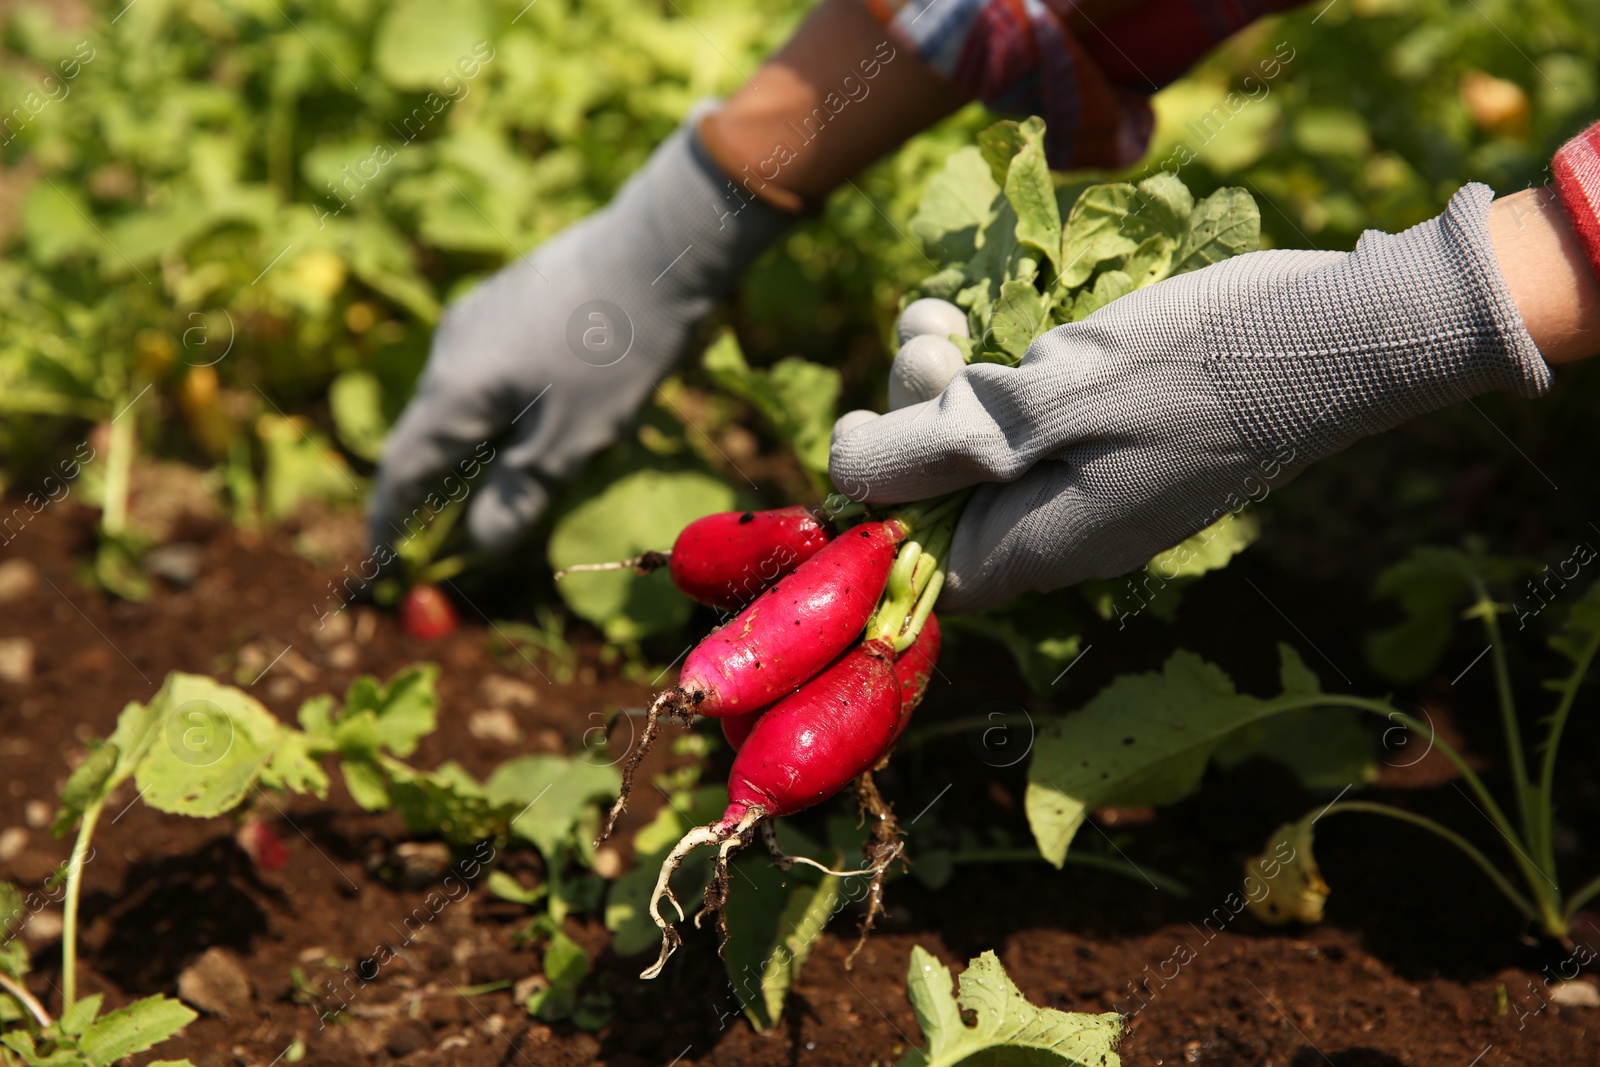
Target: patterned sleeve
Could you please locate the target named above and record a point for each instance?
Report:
(1577, 172)
(1088, 67)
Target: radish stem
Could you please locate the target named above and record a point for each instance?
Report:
(69, 906)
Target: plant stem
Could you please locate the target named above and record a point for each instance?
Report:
(1587, 892)
(26, 999)
(1485, 610)
(69, 906)
(1547, 770)
(1373, 808)
(119, 469)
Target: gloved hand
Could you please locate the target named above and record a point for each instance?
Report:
(537, 368)
(1122, 434)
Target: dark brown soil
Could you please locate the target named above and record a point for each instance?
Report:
(1419, 963)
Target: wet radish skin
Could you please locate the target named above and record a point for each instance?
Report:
(728, 559)
(810, 744)
(794, 629)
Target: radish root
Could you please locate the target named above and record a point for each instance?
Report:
(729, 839)
(675, 703)
(642, 564)
(885, 843)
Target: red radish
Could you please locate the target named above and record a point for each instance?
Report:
(780, 641)
(808, 746)
(737, 727)
(914, 668)
(262, 845)
(802, 750)
(795, 628)
(728, 559)
(427, 614)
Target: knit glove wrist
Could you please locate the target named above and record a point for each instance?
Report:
(539, 367)
(1120, 435)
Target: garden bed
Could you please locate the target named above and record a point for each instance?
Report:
(1419, 962)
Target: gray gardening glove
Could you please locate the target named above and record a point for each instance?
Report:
(1120, 435)
(539, 367)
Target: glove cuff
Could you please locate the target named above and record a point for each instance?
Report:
(1406, 324)
(687, 215)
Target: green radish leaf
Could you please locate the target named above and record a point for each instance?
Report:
(1108, 286)
(1580, 628)
(957, 207)
(773, 922)
(1032, 193)
(1210, 549)
(642, 511)
(1018, 317)
(355, 399)
(549, 797)
(446, 802)
(1226, 223)
(394, 716)
(1006, 1029)
(316, 715)
(1430, 586)
(565, 966)
(213, 742)
(295, 767)
(1101, 226)
(626, 914)
(87, 785)
(1167, 202)
(1151, 261)
(15, 959)
(367, 785)
(301, 464)
(506, 887)
(76, 1019)
(797, 397)
(1000, 144)
(133, 1029)
(1326, 748)
(419, 41)
(1143, 740)
(1287, 867)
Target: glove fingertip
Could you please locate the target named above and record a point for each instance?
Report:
(504, 509)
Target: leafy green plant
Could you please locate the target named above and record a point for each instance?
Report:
(988, 1020)
(201, 748)
(1529, 826)
(991, 221)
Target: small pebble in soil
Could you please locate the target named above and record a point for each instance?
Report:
(494, 724)
(216, 983)
(503, 691)
(344, 657)
(179, 562)
(16, 660)
(43, 928)
(1576, 995)
(18, 578)
(37, 814)
(12, 842)
(420, 863)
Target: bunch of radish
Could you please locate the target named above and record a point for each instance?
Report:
(831, 647)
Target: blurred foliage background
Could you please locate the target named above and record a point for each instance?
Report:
(247, 214)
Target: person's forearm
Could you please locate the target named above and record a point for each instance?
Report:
(837, 96)
(1550, 279)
